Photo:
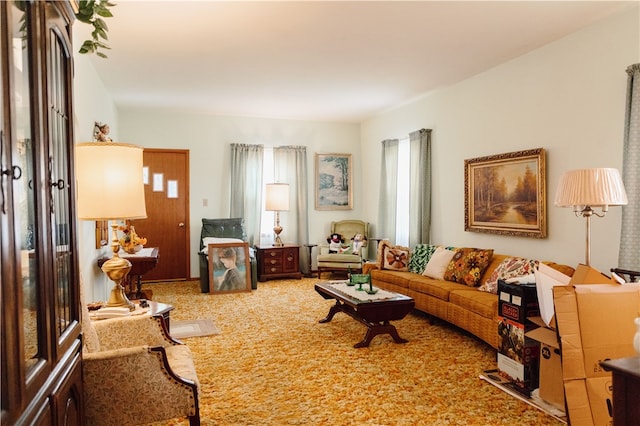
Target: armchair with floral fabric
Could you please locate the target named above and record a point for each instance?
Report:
(134, 372)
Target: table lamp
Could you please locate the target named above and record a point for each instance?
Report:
(277, 199)
(587, 188)
(110, 187)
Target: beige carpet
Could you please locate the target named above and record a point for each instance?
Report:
(274, 364)
(193, 328)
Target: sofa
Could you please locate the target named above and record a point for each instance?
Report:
(469, 302)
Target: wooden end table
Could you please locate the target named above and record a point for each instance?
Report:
(375, 314)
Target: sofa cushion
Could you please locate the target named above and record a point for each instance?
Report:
(393, 257)
(420, 257)
(398, 278)
(511, 267)
(438, 263)
(434, 287)
(481, 303)
(468, 265)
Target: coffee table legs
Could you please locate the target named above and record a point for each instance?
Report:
(373, 328)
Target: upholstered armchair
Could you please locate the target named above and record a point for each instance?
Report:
(347, 259)
(134, 372)
(223, 228)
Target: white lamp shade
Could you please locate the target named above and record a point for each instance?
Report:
(591, 187)
(277, 197)
(109, 181)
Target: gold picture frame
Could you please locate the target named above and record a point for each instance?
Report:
(334, 182)
(505, 194)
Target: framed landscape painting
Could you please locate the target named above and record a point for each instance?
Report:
(506, 194)
(333, 182)
(229, 270)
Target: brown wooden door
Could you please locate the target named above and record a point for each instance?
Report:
(167, 223)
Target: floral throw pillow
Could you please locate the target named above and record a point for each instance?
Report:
(468, 265)
(511, 267)
(395, 258)
(420, 257)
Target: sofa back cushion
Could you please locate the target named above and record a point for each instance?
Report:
(468, 265)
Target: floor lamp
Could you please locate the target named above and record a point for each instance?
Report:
(110, 187)
(277, 199)
(584, 189)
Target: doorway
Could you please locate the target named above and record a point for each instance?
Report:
(166, 190)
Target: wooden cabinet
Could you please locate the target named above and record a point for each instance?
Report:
(39, 303)
(278, 262)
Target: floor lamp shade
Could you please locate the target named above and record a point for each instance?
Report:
(587, 188)
(109, 181)
(591, 187)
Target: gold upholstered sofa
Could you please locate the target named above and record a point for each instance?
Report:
(468, 300)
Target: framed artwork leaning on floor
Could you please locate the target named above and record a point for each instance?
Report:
(229, 270)
(505, 194)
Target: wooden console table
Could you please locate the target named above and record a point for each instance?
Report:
(141, 263)
(626, 389)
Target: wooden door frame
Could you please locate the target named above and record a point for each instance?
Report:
(187, 248)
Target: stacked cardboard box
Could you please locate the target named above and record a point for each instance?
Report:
(517, 353)
(595, 321)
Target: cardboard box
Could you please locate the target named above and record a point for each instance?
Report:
(595, 322)
(551, 387)
(518, 354)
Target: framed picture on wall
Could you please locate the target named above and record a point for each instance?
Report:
(505, 194)
(229, 270)
(333, 182)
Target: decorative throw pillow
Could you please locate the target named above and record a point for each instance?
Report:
(467, 265)
(396, 258)
(438, 263)
(420, 257)
(511, 267)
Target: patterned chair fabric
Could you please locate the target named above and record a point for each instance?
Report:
(342, 262)
(134, 372)
(223, 228)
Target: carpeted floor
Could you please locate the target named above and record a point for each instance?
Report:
(274, 364)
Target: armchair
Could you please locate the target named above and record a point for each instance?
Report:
(348, 260)
(134, 372)
(223, 228)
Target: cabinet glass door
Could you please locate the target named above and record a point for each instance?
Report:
(58, 93)
(23, 177)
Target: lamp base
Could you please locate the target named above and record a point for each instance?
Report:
(117, 269)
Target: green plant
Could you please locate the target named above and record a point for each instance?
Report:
(91, 12)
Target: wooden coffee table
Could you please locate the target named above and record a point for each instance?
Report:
(374, 313)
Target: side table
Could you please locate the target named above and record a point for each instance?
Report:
(278, 262)
(141, 263)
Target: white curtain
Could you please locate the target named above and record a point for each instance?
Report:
(420, 187)
(246, 187)
(629, 255)
(388, 190)
(290, 166)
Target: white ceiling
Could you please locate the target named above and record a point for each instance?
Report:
(323, 60)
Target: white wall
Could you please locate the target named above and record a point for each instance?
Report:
(208, 140)
(91, 103)
(567, 97)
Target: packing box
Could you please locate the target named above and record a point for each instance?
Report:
(517, 353)
(595, 322)
(551, 388)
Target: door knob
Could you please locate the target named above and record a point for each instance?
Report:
(181, 224)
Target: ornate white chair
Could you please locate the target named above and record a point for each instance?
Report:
(350, 259)
(134, 372)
